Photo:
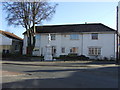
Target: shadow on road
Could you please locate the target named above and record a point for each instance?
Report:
(107, 69)
(81, 78)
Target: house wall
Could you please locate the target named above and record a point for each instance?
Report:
(60, 42)
(5, 47)
(5, 43)
(5, 40)
(119, 16)
(13, 45)
(119, 27)
(68, 43)
(16, 47)
(105, 41)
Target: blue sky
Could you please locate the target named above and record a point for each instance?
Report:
(74, 13)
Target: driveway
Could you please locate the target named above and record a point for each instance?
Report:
(59, 74)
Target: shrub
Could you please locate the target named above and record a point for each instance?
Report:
(72, 57)
(72, 54)
(105, 58)
(83, 57)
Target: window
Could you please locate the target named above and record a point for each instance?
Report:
(37, 36)
(16, 47)
(94, 36)
(52, 36)
(36, 49)
(74, 36)
(74, 50)
(94, 51)
(3, 51)
(7, 51)
(41, 51)
(63, 50)
(64, 35)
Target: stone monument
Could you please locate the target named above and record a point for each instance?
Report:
(48, 54)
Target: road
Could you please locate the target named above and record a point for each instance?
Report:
(59, 75)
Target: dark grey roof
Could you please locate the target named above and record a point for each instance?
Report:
(94, 27)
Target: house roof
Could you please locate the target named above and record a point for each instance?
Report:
(92, 27)
(10, 35)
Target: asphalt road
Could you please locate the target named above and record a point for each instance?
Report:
(59, 75)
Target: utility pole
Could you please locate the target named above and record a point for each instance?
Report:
(117, 40)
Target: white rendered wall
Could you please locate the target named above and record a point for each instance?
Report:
(59, 42)
(40, 44)
(37, 49)
(5, 40)
(68, 43)
(105, 41)
(119, 16)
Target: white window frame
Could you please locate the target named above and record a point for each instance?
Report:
(94, 51)
(74, 36)
(63, 50)
(53, 36)
(74, 51)
(38, 36)
(94, 36)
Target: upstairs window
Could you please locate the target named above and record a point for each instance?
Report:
(94, 36)
(37, 36)
(52, 36)
(74, 36)
(65, 35)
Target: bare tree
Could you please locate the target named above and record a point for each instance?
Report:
(29, 14)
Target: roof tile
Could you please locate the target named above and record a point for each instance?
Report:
(10, 35)
(89, 27)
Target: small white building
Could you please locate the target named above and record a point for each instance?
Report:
(10, 43)
(93, 40)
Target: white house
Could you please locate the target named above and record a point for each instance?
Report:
(10, 43)
(93, 40)
(118, 25)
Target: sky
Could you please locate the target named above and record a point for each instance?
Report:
(73, 13)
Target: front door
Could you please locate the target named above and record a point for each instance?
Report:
(53, 51)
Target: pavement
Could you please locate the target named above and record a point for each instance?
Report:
(8, 73)
(59, 74)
